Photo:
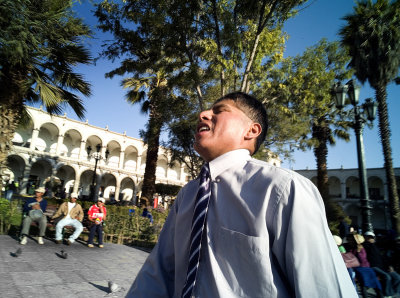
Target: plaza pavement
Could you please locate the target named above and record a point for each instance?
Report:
(40, 270)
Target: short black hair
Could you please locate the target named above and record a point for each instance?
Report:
(253, 108)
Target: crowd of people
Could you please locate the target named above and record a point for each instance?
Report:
(367, 264)
(68, 214)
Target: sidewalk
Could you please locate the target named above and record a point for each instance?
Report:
(40, 271)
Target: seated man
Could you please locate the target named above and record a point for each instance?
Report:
(34, 209)
(72, 216)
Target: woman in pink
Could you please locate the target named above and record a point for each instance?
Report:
(97, 214)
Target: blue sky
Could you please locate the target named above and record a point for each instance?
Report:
(322, 18)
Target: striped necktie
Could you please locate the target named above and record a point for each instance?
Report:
(198, 222)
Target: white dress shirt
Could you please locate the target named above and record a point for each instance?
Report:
(266, 236)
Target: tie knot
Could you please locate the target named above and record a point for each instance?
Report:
(205, 171)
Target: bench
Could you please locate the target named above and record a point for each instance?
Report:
(50, 211)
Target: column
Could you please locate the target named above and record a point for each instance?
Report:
(138, 163)
(25, 179)
(103, 155)
(121, 159)
(117, 189)
(343, 190)
(60, 141)
(76, 183)
(82, 149)
(35, 134)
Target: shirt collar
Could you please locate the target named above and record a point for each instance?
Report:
(227, 160)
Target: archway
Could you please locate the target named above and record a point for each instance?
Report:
(71, 144)
(107, 186)
(47, 139)
(66, 174)
(353, 188)
(127, 189)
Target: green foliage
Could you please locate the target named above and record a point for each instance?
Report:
(372, 38)
(123, 227)
(167, 189)
(41, 43)
(10, 215)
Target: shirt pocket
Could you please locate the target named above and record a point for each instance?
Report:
(244, 263)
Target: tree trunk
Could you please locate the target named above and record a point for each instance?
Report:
(384, 131)
(10, 115)
(153, 142)
(321, 133)
(244, 87)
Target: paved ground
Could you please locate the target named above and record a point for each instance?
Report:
(40, 271)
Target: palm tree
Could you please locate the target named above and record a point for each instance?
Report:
(372, 37)
(152, 92)
(40, 43)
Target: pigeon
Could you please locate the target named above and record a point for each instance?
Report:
(64, 254)
(113, 287)
(17, 253)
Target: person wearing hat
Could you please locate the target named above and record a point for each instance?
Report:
(72, 215)
(33, 210)
(97, 214)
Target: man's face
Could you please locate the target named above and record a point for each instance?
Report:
(221, 129)
(38, 194)
(73, 200)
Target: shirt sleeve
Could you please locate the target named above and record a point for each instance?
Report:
(157, 275)
(90, 212)
(304, 246)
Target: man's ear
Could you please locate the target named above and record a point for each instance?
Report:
(253, 132)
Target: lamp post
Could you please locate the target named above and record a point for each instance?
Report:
(361, 113)
(97, 156)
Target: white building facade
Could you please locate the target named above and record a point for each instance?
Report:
(344, 188)
(54, 148)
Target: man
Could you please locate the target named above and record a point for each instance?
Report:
(72, 214)
(390, 280)
(33, 210)
(265, 232)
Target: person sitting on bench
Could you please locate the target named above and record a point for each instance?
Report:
(71, 214)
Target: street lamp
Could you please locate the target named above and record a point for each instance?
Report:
(368, 112)
(97, 156)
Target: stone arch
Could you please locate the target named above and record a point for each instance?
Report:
(114, 149)
(66, 174)
(92, 141)
(375, 188)
(23, 134)
(85, 182)
(40, 171)
(174, 173)
(130, 160)
(47, 138)
(16, 166)
(71, 144)
(161, 170)
(353, 187)
(127, 189)
(334, 187)
(107, 186)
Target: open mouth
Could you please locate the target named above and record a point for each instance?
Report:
(202, 127)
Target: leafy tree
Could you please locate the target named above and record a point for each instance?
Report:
(372, 37)
(301, 90)
(154, 94)
(40, 43)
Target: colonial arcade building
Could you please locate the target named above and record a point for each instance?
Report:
(54, 149)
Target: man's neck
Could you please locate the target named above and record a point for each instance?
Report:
(39, 199)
